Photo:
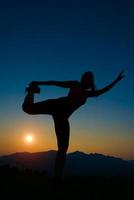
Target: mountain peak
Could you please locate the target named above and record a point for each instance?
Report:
(78, 152)
(77, 163)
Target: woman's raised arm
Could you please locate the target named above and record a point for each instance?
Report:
(95, 93)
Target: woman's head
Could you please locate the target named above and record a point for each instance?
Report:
(87, 80)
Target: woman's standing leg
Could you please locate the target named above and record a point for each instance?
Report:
(61, 127)
(62, 130)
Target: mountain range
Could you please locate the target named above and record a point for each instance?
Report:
(77, 163)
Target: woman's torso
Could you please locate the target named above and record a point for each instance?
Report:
(75, 98)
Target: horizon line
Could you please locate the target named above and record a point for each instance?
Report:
(106, 155)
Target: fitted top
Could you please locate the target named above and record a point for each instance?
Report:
(77, 96)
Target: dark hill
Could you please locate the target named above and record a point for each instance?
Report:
(77, 163)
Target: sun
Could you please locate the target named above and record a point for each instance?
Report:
(29, 138)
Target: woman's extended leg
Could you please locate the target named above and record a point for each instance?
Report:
(62, 132)
(43, 107)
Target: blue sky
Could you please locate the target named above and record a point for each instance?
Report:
(59, 40)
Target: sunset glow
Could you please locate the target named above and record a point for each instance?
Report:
(29, 139)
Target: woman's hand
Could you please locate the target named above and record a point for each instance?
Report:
(33, 83)
(108, 87)
(120, 76)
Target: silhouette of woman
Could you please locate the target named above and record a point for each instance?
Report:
(61, 108)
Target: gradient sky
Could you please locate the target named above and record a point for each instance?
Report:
(60, 40)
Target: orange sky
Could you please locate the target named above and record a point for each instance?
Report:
(82, 139)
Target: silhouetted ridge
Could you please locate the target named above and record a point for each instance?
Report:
(77, 163)
(77, 153)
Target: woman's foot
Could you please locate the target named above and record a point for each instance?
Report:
(33, 89)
